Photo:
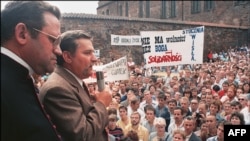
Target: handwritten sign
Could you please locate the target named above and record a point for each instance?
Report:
(113, 71)
(167, 48)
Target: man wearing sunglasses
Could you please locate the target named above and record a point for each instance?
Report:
(30, 37)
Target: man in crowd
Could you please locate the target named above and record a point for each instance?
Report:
(137, 127)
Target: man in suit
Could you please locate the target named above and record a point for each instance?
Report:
(66, 97)
(30, 36)
(189, 125)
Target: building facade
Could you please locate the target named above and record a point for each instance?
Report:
(221, 12)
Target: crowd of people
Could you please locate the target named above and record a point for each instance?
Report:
(195, 101)
(44, 97)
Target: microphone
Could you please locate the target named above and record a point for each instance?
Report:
(100, 80)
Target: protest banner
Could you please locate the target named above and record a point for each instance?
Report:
(167, 48)
(113, 71)
(130, 40)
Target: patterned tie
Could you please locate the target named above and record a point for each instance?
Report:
(92, 98)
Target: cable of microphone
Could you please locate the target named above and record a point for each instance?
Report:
(100, 80)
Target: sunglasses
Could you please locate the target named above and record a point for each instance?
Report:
(241, 99)
(55, 40)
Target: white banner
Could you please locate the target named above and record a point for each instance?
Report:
(167, 48)
(130, 40)
(114, 71)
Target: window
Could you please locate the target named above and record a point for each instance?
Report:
(147, 9)
(126, 11)
(120, 10)
(195, 6)
(208, 5)
(173, 9)
(140, 9)
(103, 13)
(107, 12)
(163, 9)
(239, 2)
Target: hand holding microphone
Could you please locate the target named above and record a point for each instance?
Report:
(102, 95)
(100, 81)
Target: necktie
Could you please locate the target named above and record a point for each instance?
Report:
(92, 98)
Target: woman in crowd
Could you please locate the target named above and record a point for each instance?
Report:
(246, 88)
(160, 133)
(179, 135)
(237, 119)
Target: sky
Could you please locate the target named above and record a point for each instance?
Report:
(87, 7)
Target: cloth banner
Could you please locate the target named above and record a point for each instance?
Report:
(130, 40)
(167, 48)
(113, 71)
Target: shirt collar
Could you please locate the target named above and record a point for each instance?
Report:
(78, 79)
(16, 58)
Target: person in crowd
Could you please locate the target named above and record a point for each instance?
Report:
(203, 132)
(150, 118)
(110, 136)
(226, 111)
(130, 95)
(194, 94)
(162, 110)
(160, 134)
(171, 104)
(187, 94)
(223, 91)
(177, 97)
(239, 91)
(114, 130)
(131, 136)
(214, 109)
(135, 126)
(202, 108)
(148, 100)
(30, 38)
(66, 97)
(124, 118)
(209, 97)
(178, 120)
(211, 123)
(246, 87)
(243, 100)
(246, 111)
(220, 132)
(230, 95)
(122, 91)
(237, 118)
(185, 106)
(193, 108)
(189, 126)
(235, 106)
(178, 135)
(117, 97)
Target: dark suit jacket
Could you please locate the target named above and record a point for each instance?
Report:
(22, 117)
(193, 137)
(70, 108)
